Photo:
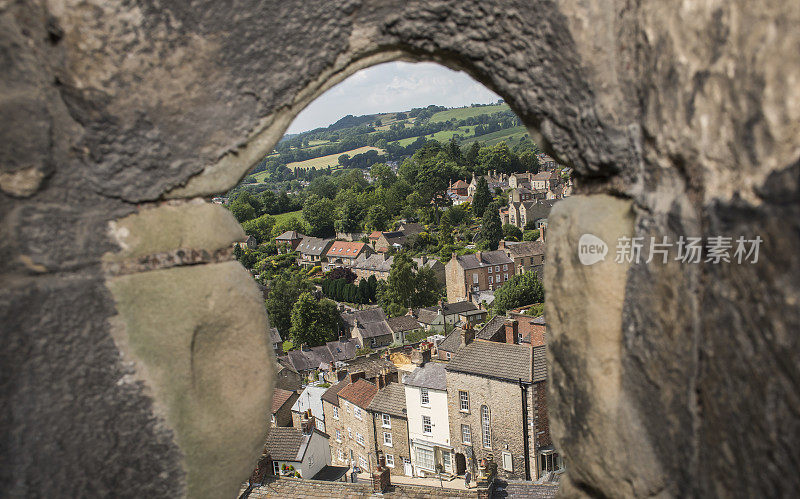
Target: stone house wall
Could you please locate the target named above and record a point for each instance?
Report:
(399, 448)
(505, 408)
(349, 441)
(283, 417)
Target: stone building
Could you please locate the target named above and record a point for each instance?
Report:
(380, 264)
(344, 253)
(313, 250)
(281, 413)
(467, 275)
(528, 256)
(485, 385)
(390, 426)
(353, 439)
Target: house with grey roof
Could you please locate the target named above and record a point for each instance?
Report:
(297, 451)
(306, 359)
(497, 403)
(390, 425)
(313, 250)
(379, 265)
(457, 338)
(430, 318)
(402, 326)
(467, 275)
(276, 341)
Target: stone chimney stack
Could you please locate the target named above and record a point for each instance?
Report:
(305, 422)
(356, 376)
(467, 335)
(478, 255)
(511, 331)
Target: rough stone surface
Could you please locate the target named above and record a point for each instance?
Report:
(687, 110)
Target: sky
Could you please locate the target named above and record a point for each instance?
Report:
(392, 86)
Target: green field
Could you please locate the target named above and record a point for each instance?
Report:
(467, 112)
(331, 160)
(290, 214)
(442, 136)
(493, 138)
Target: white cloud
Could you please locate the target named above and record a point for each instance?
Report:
(393, 86)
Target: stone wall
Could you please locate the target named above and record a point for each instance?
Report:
(399, 448)
(135, 358)
(504, 400)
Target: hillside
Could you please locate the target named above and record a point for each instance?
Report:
(385, 137)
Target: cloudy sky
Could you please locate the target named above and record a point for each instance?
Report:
(393, 86)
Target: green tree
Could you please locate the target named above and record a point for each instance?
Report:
(482, 197)
(283, 293)
(427, 290)
(522, 289)
(401, 283)
(314, 322)
(530, 235)
(529, 161)
(491, 229)
(383, 175)
(320, 213)
(511, 233)
(324, 187)
(377, 218)
(471, 156)
(350, 216)
(260, 227)
(242, 211)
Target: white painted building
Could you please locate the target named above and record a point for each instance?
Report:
(428, 424)
(306, 452)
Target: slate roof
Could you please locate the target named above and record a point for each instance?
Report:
(403, 323)
(280, 397)
(308, 359)
(364, 316)
(543, 176)
(286, 444)
(525, 248)
(452, 342)
(458, 307)
(359, 393)
(290, 235)
(329, 473)
(391, 399)
(491, 359)
(332, 394)
(497, 257)
(491, 328)
(343, 349)
(376, 262)
(432, 375)
(310, 398)
(539, 363)
(410, 228)
(427, 315)
(313, 246)
(539, 321)
(274, 336)
(374, 329)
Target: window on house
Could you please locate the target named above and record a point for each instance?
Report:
(427, 427)
(357, 412)
(474, 278)
(519, 337)
(390, 460)
(466, 434)
(387, 438)
(550, 462)
(448, 355)
(363, 463)
(505, 266)
(276, 468)
(335, 413)
(508, 463)
(360, 439)
(463, 398)
(387, 421)
(486, 427)
(340, 455)
(497, 268)
(338, 436)
(423, 396)
(490, 270)
(476, 288)
(349, 432)
(490, 280)
(425, 458)
(505, 277)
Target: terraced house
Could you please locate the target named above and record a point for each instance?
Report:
(344, 254)
(352, 440)
(496, 402)
(468, 275)
(390, 427)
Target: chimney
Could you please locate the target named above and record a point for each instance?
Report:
(355, 376)
(478, 255)
(420, 356)
(305, 423)
(424, 259)
(511, 331)
(381, 380)
(467, 335)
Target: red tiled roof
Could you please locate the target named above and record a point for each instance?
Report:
(279, 397)
(460, 184)
(375, 234)
(345, 248)
(359, 393)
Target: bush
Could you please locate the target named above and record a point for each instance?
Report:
(363, 351)
(531, 235)
(417, 336)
